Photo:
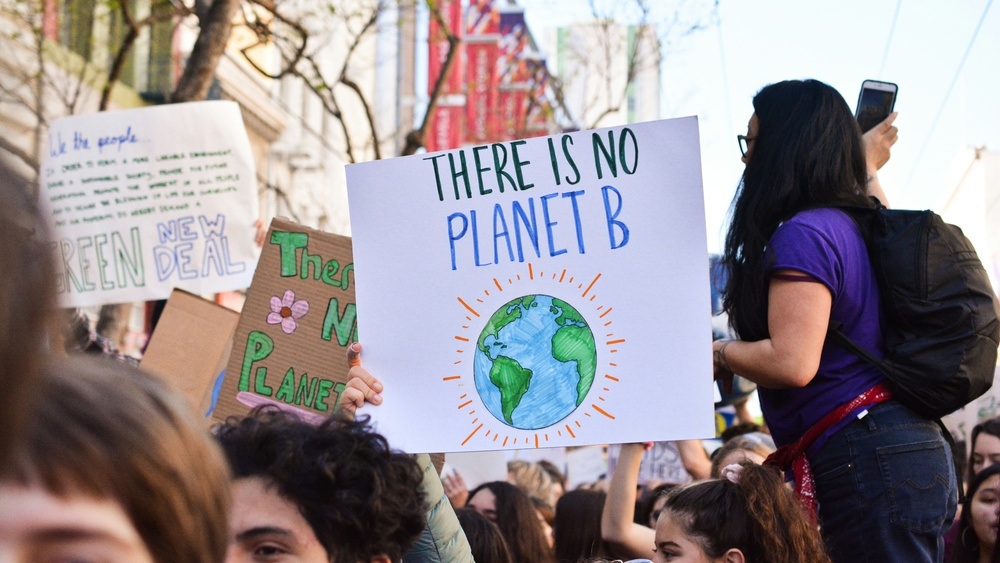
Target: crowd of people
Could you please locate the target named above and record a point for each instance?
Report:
(102, 462)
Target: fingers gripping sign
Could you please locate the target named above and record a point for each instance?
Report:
(361, 386)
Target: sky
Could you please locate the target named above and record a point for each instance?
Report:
(746, 44)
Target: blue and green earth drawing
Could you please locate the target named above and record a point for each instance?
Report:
(535, 362)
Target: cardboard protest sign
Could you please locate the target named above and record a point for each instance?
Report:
(290, 347)
(545, 292)
(141, 201)
(191, 345)
(660, 464)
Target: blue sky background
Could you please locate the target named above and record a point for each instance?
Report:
(918, 44)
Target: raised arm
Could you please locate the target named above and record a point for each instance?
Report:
(617, 524)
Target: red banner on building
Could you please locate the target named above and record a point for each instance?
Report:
(481, 52)
(446, 123)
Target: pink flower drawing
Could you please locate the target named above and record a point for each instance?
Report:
(286, 311)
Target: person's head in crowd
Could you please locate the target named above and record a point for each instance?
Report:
(753, 447)
(532, 479)
(652, 504)
(739, 430)
(512, 511)
(578, 526)
(978, 524)
(26, 301)
(487, 543)
(984, 446)
(557, 476)
(748, 517)
(113, 467)
(334, 492)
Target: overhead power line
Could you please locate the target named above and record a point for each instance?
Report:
(892, 31)
(954, 80)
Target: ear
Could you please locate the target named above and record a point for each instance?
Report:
(383, 558)
(734, 556)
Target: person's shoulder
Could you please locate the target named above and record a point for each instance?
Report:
(822, 219)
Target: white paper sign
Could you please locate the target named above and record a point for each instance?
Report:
(538, 293)
(145, 200)
(660, 464)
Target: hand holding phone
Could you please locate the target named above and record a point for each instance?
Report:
(875, 102)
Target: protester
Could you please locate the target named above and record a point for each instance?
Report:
(488, 544)
(651, 504)
(977, 527)
(748, 516)
(578, 527)
(753, 447)
(329, 493)
(533, 480)
(26, 303)
(884, 478)
(617, 519)
(984, 445)
(113, 467)
(442, 538)
(511, 509)
(558, 478)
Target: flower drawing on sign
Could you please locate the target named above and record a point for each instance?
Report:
(286, 311)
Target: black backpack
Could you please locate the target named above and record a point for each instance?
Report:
(941, 330)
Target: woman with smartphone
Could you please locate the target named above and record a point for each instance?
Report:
(881, 475)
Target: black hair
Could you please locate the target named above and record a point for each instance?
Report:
(807, 153)
(361, 498)
(485, 539)
(966, 546)
(578, 526)
(518, 522)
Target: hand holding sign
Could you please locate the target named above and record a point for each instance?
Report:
(361, 385)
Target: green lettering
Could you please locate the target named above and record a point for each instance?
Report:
(329, 270)
(289, 243)
(308, 260)
(345, 325)
(286, 392)
(322, 393)
(259, 347)
(306, 393)
(518, 165)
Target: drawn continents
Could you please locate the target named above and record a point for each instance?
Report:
(535, 362)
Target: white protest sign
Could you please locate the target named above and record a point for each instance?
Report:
(145, 200)
(537, 293)
(661, 464)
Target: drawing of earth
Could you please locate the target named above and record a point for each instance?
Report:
(535, 362)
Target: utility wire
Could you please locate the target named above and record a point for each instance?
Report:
(892, 31)
(954, 80)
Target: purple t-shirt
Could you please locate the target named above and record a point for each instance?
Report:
(827, 245)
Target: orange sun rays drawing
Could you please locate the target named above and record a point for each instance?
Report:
(583, 339)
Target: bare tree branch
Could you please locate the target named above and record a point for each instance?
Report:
(415, 138)
(208, 48)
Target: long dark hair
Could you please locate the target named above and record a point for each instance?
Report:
(578, 526)
(807, 153)
(990, 427)
(518, 522)
(759, 516)
(966, 547)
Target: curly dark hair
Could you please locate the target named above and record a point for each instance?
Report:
(361, 498)
(808, 153)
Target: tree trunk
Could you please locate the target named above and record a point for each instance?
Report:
(209, 47)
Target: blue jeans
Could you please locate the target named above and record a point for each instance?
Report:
(886, 488)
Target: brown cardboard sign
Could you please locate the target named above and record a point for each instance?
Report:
(191, 327)
(289, 349)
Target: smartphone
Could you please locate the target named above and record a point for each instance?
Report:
(875, 103)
